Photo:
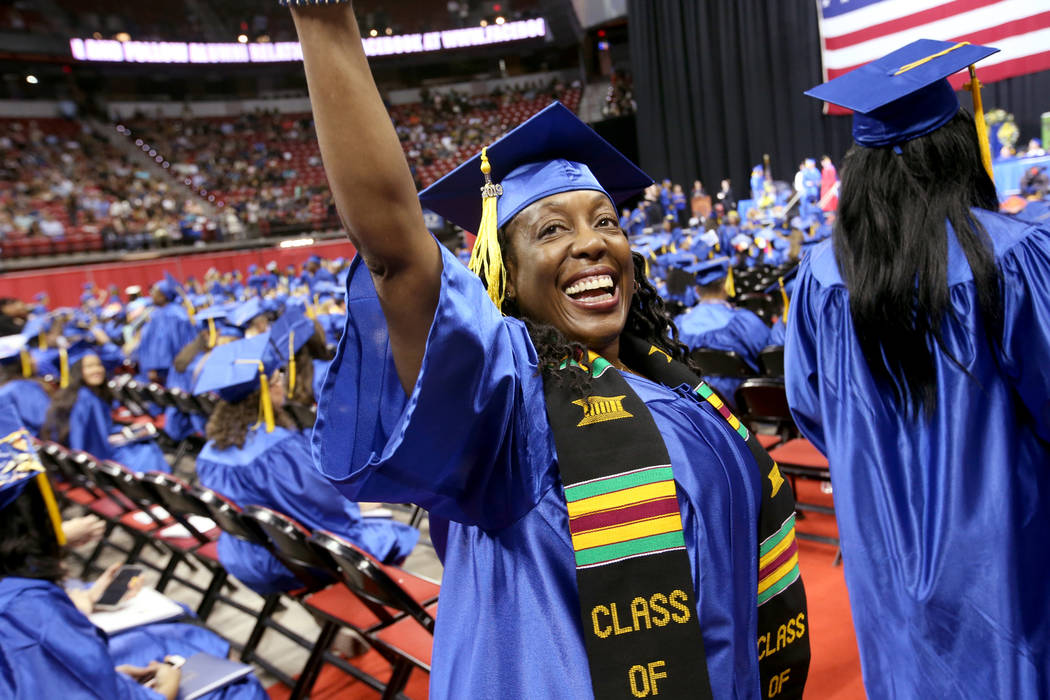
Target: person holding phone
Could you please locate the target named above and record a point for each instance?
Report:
(48, 645)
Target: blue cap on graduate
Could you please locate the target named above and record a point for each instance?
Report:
(37, 325)
(710, 271)
(167, 287)
(232, 370)
(243, 313)
(551, 152)
(18, 461)
(314, 259)
(15, 348)
(904, 94)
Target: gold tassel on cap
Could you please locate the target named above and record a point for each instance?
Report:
(265, 402)
(52, 507)
(213, 336)
(63, 371)
(730, 287)
(486, 260)
(784, 297)
(291, 362)
(27, 364)
(974, 86)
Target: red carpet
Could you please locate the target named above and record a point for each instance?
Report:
(834, 673)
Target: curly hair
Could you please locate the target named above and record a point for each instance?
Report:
(230, 422)
(647, 319)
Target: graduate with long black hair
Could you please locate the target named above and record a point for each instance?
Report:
(81, 417)
(582, 481)
(917, 359)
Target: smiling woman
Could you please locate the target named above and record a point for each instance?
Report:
(582, 482)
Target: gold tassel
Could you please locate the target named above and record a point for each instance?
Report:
(265, 403)
(63, 363)
(52, 507)
(974, 86)
(291, 362)
(41, 341)
(213, 336)
(190, 311)
(730, 287)
(486, 259)
(27, 364)
(784, 296)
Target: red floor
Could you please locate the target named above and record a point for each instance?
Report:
(834, 673)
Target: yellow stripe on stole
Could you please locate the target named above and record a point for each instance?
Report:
(772, 554)
(781, 571)
(630, 496)
(624, 533)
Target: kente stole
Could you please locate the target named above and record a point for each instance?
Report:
(637, 601)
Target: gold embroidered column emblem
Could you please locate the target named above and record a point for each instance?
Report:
(598, 409)
(775, 479)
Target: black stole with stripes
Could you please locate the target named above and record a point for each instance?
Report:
(637, 601)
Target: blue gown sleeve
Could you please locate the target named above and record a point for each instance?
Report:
(753, 335)
(50, 650)
(471, 443)
(1025, 272)
(800, 353)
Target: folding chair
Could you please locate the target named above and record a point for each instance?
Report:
(405, 605)
(771, 361)
(721, 363)
(762, 305)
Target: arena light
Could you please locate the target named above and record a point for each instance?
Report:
(31, 79)
(373, 32)
(107, 50)
(122, 37)
(296, 243)
(484, 23)
(242, 38)
(388, 31)
(500, 20)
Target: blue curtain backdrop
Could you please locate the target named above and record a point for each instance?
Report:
(719, 83)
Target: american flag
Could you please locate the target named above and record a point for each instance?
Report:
(855, 32)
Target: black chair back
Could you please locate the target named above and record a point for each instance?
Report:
(158, 394)
(290, 543)
(177, 498)
(184, 401)
(367, 579)
(303, 416)
(720, 363)
(227, 515)
(771, 360)
(763, 399)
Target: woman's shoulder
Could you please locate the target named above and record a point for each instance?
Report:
(257, 443)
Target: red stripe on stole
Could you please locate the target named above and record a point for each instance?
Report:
(622, 516)
(779, 561)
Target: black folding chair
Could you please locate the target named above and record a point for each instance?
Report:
(771, 361)
(721, 363)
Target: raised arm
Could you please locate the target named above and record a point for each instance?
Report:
(370, 180)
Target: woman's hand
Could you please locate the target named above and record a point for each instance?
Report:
(161, 677)
(86, 598)
(86, 529)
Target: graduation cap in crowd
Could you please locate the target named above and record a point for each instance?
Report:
(289, 333)
(244, 312)
(20, 467)
(549, 153)
(710, 271)
(37, 327)
(235, 370)
(167, 286)
(208, 319)
(906, 94)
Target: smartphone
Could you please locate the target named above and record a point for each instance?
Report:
(115, 591)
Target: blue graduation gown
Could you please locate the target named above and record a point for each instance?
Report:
(943, 522)
(51, 650)
(274, 470)
(91, 423)
(179, 425)
(718, 326)
(167, 331)
(473, 446)
(30, 400)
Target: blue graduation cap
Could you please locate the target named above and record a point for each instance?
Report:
(167, 286)
(314, 259)
(243, 314)
(549, 153)
(289, 333)
(37, 325)
(710, 271)
(19, 466)
(15, 348)
(904, 94)
(232, 370)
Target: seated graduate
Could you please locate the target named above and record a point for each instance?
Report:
(716, 324)
(29, 396)
(254, 456)
(80, 416)
(250, 316)
(167, 330)
(510, 406)
(48, 646)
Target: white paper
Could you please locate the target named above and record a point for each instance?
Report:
(146, 607)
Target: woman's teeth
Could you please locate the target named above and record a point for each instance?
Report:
(598, 283)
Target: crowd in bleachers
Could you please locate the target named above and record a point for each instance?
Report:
(64, 188)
